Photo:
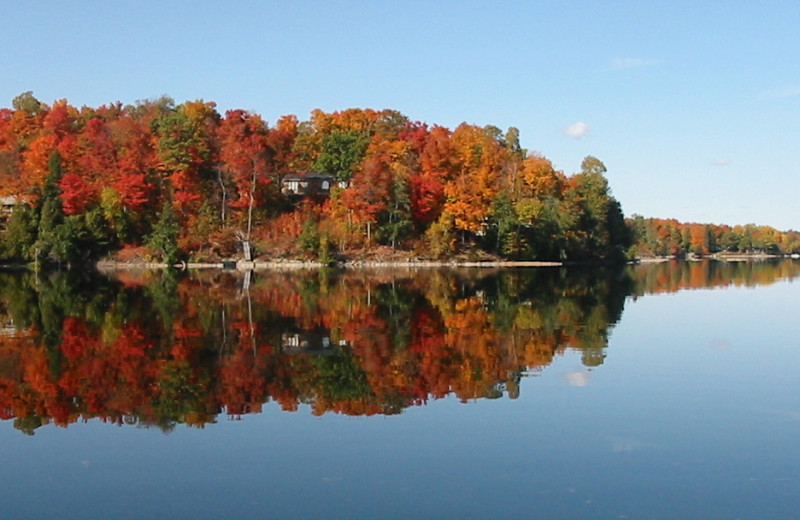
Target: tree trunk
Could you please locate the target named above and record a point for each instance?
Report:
(252, 203)
(224, 195)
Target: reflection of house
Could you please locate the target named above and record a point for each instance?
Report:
(315, 341)
(307, 185)
(7, 327)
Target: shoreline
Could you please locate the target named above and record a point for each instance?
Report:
(256, 265)
(291, 265)
(243, 265)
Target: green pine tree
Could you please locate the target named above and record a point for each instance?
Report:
(164, 237)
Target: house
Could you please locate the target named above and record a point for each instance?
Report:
(6, 209)
(313, 185)
(7, 205)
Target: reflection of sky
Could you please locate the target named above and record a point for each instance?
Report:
(672, 426)
(577, 378)
(620, 444)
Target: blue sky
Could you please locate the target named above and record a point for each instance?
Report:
(693, 106)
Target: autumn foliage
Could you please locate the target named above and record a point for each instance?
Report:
(668, 237)
(426, 190)
(190, 183)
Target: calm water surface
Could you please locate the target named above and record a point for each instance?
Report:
(663, 391)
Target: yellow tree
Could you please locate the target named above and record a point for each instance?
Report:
(479, 158)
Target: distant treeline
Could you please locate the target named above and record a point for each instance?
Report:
(171, 182)
(668, 237)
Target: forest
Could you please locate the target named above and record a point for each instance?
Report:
(156, 181)
(162, 347)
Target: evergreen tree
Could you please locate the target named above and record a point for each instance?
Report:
(396, 223)
(164, 237)
(54, 242)
(503, 235)
(20, 234)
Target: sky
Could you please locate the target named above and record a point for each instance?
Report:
(693, 106)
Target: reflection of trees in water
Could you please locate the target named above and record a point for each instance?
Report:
(678, 275)
(161, 349)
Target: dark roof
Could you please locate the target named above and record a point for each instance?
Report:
(307, 176)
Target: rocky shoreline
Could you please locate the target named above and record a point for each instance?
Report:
(243, 265)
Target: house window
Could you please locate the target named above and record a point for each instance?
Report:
(293, 186)
(326, 185)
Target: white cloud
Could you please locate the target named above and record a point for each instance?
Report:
(721, 162)
(629, 63)
(577, 130)
(781, 93)
(577, 378)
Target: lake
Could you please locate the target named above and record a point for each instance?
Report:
(661, 391)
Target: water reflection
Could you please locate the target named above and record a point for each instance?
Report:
(159, 349)
(675, 276)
